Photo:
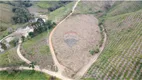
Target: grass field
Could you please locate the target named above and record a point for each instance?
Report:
(47, 4)
(10, 58)
(122, 56)
(37, 50)
(61, 12)
(24, 75)
(6, 13)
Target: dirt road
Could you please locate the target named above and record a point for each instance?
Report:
(56, 62)
(19, 53)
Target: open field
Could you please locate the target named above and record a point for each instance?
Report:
(61, 12)
(97, 8)
(10, 58)
(24, 75)
(122, 57)
(37, 50)
(6, 13)
(47, 4)
(72, 42)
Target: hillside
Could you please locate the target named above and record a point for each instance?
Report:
(122, 57)
(6, 13)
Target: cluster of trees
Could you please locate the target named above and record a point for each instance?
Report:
(24, 3)
(22, 15)
(41, 26)
(2, 28)
(3, 46)
(57, 5)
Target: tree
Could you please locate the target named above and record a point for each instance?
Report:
(22, 15)
(14, 42)
(23, 38)
(3, 46)
(31, 34)
(32, 65)
(49, 24)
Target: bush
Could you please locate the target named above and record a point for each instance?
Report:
(3, 46)
(14, 42)
(92, 52)
(97, 50)
(2, 29)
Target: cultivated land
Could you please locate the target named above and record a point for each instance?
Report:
(72, 42)
(121, 58)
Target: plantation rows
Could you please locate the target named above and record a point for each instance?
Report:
(121, 59)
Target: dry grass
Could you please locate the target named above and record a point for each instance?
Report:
(73, 40)
(5, 13)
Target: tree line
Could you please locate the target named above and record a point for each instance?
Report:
(41, 26)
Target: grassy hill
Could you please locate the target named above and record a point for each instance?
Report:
(5, 13)
(122, 56)
(6, 23)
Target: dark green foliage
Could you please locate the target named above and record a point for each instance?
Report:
(14, 42)
(31, 34)
(2, 28)
(56, 5)
(49, 24)
(92, 52)
(23, 38)
(22, 15)
(32, 65)
(3, 46)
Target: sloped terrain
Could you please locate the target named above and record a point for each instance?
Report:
(122, 57)
(37, 50)
(73, 40)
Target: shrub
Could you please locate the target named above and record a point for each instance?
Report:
(97, 50)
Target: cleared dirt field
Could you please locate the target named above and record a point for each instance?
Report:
(73, 40)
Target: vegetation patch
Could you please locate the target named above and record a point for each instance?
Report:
(10, 58)
(25, 75)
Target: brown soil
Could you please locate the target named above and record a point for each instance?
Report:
(73, 40)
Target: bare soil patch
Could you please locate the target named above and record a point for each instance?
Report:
(73, 40)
